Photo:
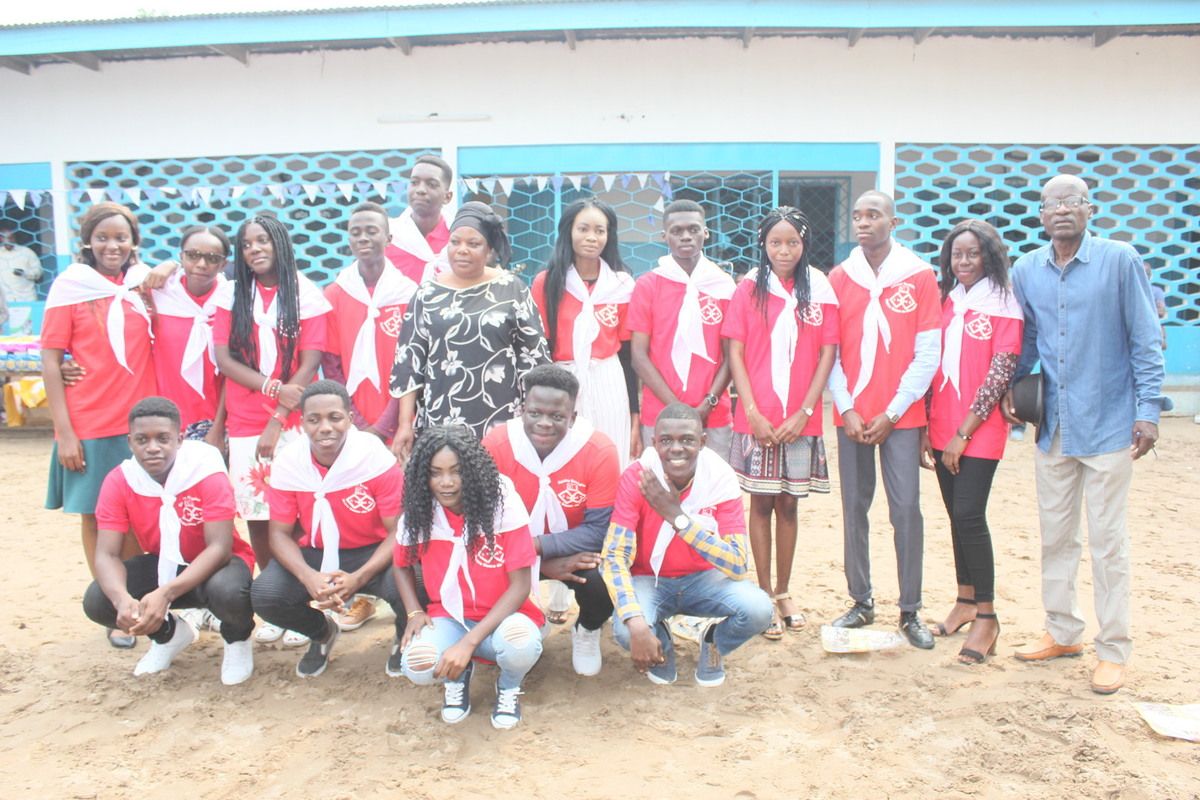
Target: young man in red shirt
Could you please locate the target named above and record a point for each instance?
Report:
(420, 233)
(175, 498)
(890, 332)
(677, 545)
(675, 318)
(343, 487)
(566, 474)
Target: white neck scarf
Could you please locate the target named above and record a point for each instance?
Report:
(194, 461)
(785, 333)
(612, 288)
(174, 300)
(312, 304)
(985, 297)
(408, 237)
(706, 278)
(508, 518)
(900, 264)
(80, 283)
(715, 482)
(363, 457)
(547, 508)
(393, 288)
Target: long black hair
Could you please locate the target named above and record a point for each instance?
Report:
(480, 488)
(995, 255)
(564, 256)
(794, 217)
(243, 345)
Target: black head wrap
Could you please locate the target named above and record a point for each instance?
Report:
(482, 218)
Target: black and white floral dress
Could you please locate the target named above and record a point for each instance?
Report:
(465, 349)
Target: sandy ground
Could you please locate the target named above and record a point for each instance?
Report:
(791, 721)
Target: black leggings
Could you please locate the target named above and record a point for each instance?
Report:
(966, 498)
(226, 594)
(595, 606)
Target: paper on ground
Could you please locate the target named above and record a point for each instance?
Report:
(1179, 722)
(857, 640)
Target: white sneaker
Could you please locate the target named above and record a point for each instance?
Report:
(211, 622)
(160, 656)
(238, 664)
(585, 650)
(194, 616)
(293, 639)
(268, 633)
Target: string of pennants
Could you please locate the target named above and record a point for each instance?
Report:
(347, 190)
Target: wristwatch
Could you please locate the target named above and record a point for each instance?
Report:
(962, 436)
(892, 418)
(711, 399)
(681, 522)
(808, 412)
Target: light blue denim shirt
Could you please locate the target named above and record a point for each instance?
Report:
(1095, 329)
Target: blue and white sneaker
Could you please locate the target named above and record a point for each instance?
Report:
(710, 669)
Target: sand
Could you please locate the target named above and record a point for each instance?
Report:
(790, 721)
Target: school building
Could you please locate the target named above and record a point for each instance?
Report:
(959, 108)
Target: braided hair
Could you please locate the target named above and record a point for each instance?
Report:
(482, 500)
(564, 256)
(243, 345)
(794, 217)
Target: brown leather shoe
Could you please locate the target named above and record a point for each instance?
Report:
(1046, 649)
(1108, 677)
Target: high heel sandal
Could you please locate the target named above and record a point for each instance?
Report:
(969, 656)
(940, 628)
(793, 622)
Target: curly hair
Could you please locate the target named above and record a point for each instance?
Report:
(995, 256)
(794, 217)
(243, 345)
(482, 499)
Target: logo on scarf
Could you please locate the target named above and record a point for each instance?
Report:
(571, 495)
(606, 315)
(359, 501)
(902, 300)
(490, 557)
(710, 311)
(191, 513)
(812, 314)
(391, 325)
(979, 328)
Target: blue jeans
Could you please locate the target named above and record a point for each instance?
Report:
(515, 646)
(709, 593)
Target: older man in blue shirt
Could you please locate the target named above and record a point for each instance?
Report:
(1090, 319)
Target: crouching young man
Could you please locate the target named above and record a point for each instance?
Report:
(677, 545)
(174, 496)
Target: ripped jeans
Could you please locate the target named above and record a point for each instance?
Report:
(515, 646)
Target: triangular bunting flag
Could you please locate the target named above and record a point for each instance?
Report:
(220, 194)
(310, 189)
(506, 185)
(607, 180)
(557, 181)
(18, 197)
(96, 194)
(542, 180)
(134, 195)
(347, 190)
(114, 194)
(205, 193)
(380, 189)
(35, 198)
(641, 179)
(658, 205)
(575, 180)
(276, 190)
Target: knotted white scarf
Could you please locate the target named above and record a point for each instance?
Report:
(900, 264)
(393, 288)
(612, 288)
(706, 278)
(80, 283)
(194, 461)
(362, 458)
(985, 297)
(408, 237)
(312, 304)
(174, 300)
(714, 483)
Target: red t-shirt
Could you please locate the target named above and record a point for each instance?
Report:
(983, 336)
(589, 480)
(343, 324)
(654, 310)
(745, 322)
(613, 319)
(911, 307)
(632, 511)
(414, 266)
(359, 510)
(170, 339)
(247, 411)
(99, 404)
(488, 567)
(120, 508)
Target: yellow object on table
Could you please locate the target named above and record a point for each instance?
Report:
(22, 394)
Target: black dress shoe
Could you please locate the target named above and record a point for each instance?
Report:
(915, 631)
(859, 614)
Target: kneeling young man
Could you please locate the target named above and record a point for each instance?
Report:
(566, 474)
(174, 496)
(677, 545)
(343, 486)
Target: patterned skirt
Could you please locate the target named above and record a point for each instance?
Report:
(796, 469)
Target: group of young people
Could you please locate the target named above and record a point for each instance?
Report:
(471, 437)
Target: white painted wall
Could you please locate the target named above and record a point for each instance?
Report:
(1132, 90)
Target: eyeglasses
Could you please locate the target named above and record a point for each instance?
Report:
(212, 259)
(1073, 202)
